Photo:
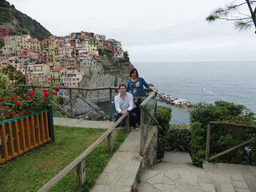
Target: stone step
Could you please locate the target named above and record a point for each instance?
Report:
(176, 173)
(241, 177)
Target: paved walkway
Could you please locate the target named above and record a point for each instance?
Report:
(82, 123)
(177, 174)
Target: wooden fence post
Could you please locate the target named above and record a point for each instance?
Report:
(127, 123)
(110, 142)
(70, 102)
(80, 172)
(110, 104)
(142, 132)
(208, 143)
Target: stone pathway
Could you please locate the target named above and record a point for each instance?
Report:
(177, 174)
(82, 123)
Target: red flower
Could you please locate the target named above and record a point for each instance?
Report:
(8, 112)
(45, 99)
(31, 94)
(53, 93)
(56, 88)
(25, 112)
(2, 100)
(44, 90)
(24, 97)
(17, 104)
(15, 95)
(35, 86)
(46, 94)
(30, 98)
(12, 98)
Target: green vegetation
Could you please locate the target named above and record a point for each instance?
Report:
(22, 23)
(178, 138)
(222, 137)
(163, 117)
(8, 76)
(32, 170)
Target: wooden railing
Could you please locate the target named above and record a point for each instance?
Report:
(22, 134)
(79, 161)
(152, 118)
(71, 91)
(207, 158)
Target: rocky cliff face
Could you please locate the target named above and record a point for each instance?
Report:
(108, 75)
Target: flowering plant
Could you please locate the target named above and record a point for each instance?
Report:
(34, 101)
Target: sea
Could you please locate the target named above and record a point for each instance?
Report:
(231, 81)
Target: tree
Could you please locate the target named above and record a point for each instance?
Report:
(235, 13)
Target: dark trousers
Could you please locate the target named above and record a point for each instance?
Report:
(132, 119)
(137, 109)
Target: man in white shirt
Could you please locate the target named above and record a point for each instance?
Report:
(124, 106)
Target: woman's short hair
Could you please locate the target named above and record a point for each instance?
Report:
(134, 70)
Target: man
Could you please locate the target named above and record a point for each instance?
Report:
(124, 106)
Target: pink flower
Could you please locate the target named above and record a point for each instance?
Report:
(74, 110)
(15, 95)
(82, 118)
(7, 107)
(45, 99)
(1, 108)
(2, 100)
(104, 117)
(17, 104)
(56, 88)
(53, 93)
(86, 117)
(35, 86)
(12, 98)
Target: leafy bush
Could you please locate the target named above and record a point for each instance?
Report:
(163, 117)
(178, 138)
(222, 137)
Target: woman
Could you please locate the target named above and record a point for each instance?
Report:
(135, 87)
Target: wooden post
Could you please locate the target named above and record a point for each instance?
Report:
(80, 172)
(208, 143)
(110, 104)
(127, 124)
(110, 142)
(70, 101)
(142, 132)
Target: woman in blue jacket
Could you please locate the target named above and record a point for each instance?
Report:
(136, 87)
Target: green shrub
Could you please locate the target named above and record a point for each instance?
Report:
(163, 117)
(178, 138)
(222, 137)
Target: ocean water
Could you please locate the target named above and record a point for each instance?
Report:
(231, 81)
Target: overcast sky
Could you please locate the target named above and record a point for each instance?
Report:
(161, 30)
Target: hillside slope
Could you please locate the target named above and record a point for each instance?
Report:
(23, 24)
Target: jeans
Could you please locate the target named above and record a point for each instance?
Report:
(132, 119)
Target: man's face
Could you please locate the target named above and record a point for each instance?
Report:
(122, 89)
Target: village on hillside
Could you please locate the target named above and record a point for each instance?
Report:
(62, 60)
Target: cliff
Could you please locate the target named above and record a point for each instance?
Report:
(23, 24)
(109, 74)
